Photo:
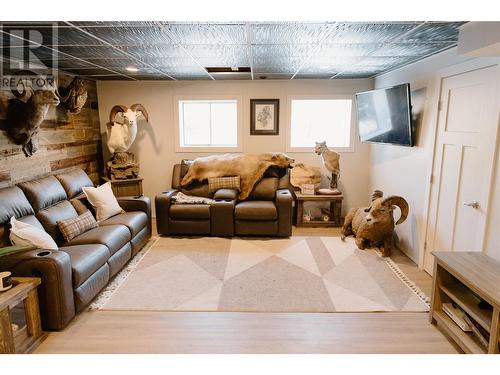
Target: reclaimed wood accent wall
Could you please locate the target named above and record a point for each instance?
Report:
(65, 141)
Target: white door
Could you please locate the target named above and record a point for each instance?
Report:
(463, 163)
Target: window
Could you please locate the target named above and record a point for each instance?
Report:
(208, 124)
(320, 119)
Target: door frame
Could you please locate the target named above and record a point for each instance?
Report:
(465, 67)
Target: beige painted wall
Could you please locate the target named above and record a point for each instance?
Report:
(406, 171)
(154, 145)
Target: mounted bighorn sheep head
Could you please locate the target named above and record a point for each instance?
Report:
(121, 135)
(374, 226)
(75, 96)
(28, 110)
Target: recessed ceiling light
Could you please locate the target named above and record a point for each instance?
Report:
(132, 69)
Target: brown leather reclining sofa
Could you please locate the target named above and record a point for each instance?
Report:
(266, 212)
(73, 275)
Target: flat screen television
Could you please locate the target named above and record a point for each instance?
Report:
(384, 116)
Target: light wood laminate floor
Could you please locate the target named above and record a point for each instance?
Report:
(220, 332)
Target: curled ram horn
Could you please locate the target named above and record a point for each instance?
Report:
(140, 107)
(26, 92)
(395, 200)
(115, 110)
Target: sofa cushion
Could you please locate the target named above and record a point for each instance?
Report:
(135, 221)
(70, 228)
(50, 216)
(25, 234)
(73, 181)
(256, 210)
(85, 260)
(190, 211)
(265, 189)
(113, 236)
(104, 201)
(43, 192)
(13, 202)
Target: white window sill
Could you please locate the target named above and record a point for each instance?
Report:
(215, 149)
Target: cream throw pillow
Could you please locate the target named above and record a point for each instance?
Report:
(103, 200)
(23, 234)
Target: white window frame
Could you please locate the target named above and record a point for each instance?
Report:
(352, 133)
(239, 108)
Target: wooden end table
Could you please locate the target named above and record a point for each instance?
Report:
(19, 306)
(125, 188)
(470, 280)
(335, 210)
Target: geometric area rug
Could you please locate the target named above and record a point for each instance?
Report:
(296, 274)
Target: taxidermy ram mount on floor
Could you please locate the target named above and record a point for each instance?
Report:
(29, 108)
(374, 226)
(121, 132)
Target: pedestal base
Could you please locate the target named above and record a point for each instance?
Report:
(122, 166)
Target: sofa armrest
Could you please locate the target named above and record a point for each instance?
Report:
(283, 202)
(55, 293)
(162, 205)
(141, 203)
(226, 194)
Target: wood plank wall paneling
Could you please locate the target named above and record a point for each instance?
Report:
(65, 141)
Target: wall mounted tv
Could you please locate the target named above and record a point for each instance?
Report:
(384, 116)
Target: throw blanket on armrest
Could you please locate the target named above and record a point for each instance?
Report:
(250, 168)
(181, 198)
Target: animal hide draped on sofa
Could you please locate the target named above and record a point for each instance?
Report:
(250, 168)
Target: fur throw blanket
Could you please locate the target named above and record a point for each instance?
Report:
(250, 168)
(181, 198)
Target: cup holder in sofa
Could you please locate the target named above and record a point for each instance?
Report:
(43, 253)
(223, 200)
(284, 193)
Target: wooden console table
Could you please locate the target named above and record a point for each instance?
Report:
(125, 188)
(466, 279)
(335, 210)
(19, 306)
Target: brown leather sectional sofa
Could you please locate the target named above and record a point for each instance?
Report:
(266, 212)
(80, 269)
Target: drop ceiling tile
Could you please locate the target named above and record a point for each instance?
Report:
(131, 36)
(269, 51)
(204, 33)
(289, 33)
(435, 32)
(344, 49)
(412, 49)
(369, 32)
(318, 75)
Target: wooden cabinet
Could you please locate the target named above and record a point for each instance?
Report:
(125, 188)
(471, 281)
(20, 325)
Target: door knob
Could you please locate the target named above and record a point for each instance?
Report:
(473, 204)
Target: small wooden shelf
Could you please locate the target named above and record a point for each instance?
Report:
(466, 278)
(465, 340)
(468, 302)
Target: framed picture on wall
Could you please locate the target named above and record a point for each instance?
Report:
(264, 116)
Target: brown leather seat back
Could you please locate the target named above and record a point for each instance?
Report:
(196, 189)
(264, 190)
(73, 181)
(13, 202)
(49, 199)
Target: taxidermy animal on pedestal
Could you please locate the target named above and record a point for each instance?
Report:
(28, 109)
(331, 161)
(374, 226)
(121, 136)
